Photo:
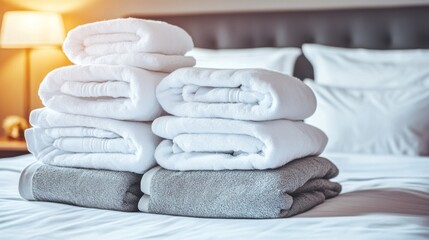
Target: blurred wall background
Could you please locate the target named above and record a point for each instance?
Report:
(76, 12)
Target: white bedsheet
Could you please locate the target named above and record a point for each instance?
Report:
(384, 197)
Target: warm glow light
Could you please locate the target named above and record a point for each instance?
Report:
(50, 5)
(28, 29)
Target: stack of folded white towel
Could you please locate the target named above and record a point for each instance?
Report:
(98, 112)
(234, 119)
(248, 119)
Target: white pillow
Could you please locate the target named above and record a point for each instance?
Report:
(371, 121)
(275, 59)
(364, 68)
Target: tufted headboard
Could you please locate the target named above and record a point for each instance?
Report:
(376, 28)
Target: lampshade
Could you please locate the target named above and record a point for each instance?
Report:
(28, 29)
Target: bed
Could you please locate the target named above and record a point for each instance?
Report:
(383, 196)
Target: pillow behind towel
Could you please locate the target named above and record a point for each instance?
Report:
(373, 121)
(275, 59)
(366, 68)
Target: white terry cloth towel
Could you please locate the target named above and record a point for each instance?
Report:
(245, 94)
(118, 92)
(148, 44)
(219, 144)
(69, 140)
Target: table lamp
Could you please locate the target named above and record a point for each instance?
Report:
(27, 30)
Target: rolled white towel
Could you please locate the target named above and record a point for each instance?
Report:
(218, 144)
(118, 92)
(245, 94)
(69, 140)
(153, 45)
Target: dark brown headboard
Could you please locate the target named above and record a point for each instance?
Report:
(386, 28)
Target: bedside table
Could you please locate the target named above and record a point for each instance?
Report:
(12, 148)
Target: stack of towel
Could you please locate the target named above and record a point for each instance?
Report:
(94, 140)
(236, 147)
(235, 143)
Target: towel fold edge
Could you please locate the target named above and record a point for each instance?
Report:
(25, 186)
(143, 204)
(147, 179)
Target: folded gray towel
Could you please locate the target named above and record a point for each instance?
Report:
(82, 187)
(292, 189)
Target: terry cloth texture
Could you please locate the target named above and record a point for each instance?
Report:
(292, 189)
(244, 94)
(106, 91)
(82, 187)
(70, 140)
(218, 144)
(148, 44)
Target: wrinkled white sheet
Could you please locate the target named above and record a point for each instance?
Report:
(384, 197)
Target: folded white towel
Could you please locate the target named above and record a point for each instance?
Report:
(245, 94)
(217, 144)
(117, 92)
(148, 44)
(69, 140)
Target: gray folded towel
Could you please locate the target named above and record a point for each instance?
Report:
(292, 189)
(82, 187)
